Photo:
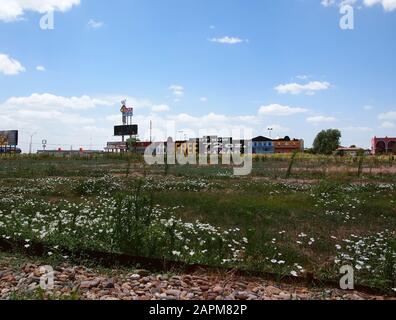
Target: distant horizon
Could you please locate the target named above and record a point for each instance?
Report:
(194, 138)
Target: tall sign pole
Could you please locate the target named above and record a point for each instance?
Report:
(124, 118)
(127, 116)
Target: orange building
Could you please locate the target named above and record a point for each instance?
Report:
(286, 145)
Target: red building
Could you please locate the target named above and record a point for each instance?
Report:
(287, 145)
(383, 145)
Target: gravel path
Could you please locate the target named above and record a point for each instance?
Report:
(22, 281)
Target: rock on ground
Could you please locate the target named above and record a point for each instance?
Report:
(79, 282)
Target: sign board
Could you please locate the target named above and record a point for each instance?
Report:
(127, 112)
(9, 138)
(126, 130)
(116, 145)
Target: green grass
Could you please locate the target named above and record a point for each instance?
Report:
(297, 222)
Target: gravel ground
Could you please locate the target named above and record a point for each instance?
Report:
(20, 279)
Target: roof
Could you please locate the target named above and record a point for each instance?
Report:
(287, 140)
(261, 138)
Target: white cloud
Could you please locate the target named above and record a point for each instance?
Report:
(227, 40)
(388, 125)
(66, 121)
(388, 5)
(134, 102)
(302, 77)
(113, 118)
(320, 119)
(368, 107)
(12, 10)
(193, 126)
(40, 68)
(177, 90)
(63, 120)
(358, 129)
(391, 115)
(160, 108)
(49, 115)
(295, 88)
(47, 101)
(203, 99)
(280, 110)
(212, 123)
(327, 3)
(10, 66)
(92, 24)
(55, 116)
(277, 128)
(213, 120)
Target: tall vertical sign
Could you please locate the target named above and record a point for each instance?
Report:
(127, 115)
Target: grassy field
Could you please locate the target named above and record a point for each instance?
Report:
(310, 214)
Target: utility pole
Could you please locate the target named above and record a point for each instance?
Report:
(270, 132)
(31, 142)
(151, 131)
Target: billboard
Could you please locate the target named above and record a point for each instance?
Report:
(127, 112)
(116, 145)
(127, 130)
(9, 138)
(111, 146)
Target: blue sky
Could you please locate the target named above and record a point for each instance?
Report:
(202, 64)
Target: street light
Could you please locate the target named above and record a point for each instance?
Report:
(31, 142)
(270, 132)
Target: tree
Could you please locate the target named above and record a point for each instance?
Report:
(131, 143)
(327, 141)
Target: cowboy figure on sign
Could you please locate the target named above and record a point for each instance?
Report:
(123, 111)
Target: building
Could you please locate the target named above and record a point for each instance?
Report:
(263, 145)
(210, 145)
(213, 145)
(383, 146)
(286, 145)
